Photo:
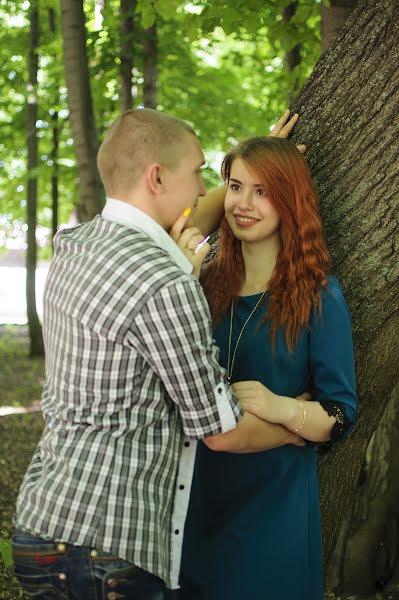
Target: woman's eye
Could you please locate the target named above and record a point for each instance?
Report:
(261, 192)
(234, 187)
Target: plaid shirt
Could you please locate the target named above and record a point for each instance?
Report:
(132, 380)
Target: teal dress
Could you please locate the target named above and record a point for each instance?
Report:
(253, 524)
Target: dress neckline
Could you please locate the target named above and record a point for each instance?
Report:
(246, 296)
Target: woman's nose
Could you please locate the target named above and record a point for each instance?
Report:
(245, 200)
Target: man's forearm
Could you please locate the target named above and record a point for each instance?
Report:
(252, 435)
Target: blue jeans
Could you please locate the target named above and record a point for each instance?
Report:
(58, 571)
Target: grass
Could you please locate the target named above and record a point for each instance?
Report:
(21, 377)
(21, 380)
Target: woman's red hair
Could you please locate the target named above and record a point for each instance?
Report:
(304, 261)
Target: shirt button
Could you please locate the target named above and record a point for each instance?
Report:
(181, 487)
(186, 444)
(112, 582)
(62, 576)
(93, 553)
(113, 596)
(61, 548)
(177, 531)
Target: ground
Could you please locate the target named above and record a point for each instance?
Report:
(21, 380)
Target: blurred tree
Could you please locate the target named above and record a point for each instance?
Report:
(333, 17)
(127, 54)
(150, 66)
(91, 194)
(35, 330)
(292, 57)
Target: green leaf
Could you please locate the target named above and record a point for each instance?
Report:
(5, 551)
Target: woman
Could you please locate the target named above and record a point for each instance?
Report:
(283, 329)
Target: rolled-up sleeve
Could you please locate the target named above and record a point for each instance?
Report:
(174, 333)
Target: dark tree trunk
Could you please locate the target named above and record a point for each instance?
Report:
(333, 17)
(54, 150)
(292, 58)
(127, 10)
(54, 176)
(150, 67)
(81, 109)
(35, 330)
(349, 121)
(371, 546)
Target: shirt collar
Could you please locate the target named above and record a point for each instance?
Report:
(123, 213)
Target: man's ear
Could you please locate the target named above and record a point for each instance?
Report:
(154, 178)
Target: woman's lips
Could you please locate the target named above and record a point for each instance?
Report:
(245, 221)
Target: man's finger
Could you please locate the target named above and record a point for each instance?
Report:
(304, 396)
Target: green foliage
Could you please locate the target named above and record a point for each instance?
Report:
(219, 64)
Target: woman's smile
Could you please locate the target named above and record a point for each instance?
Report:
(242, 221)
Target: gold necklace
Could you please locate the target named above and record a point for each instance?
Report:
(231, 367)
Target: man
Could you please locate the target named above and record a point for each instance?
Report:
(132, 380)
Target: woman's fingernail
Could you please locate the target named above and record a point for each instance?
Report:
(198, 248)
(187, 212)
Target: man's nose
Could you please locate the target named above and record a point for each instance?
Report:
(202, 190)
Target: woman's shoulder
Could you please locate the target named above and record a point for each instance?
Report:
(332, 299)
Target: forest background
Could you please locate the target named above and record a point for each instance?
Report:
(229, 69)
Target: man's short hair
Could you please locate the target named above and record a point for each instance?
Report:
(138, 138)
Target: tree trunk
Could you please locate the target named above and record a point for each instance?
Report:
(54, 150)
(292, 58)
(127, 10)
(81, 109)
(54, 176)
(372, 546)
(35, 330)
(349, 121)
(150, 67)
(333, 18)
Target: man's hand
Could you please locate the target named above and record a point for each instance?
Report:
(188, 239)
(283, 128)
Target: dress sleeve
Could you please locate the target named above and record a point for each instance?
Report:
(332, 363)
(173, 333)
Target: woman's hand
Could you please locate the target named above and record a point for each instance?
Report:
(262, 402)
(283, 128)
(188, 239)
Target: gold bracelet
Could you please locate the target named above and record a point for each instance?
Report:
(302, 423)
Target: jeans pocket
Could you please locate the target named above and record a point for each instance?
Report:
(118, 579)
(38, 566)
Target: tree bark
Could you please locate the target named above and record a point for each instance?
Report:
(372, 546)
(349, 121)
(127, 10)
(35, 330)
(54, 176)
(81, 109)
(54, 150)
(292, 58)
(150, 67)
(333, 18)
